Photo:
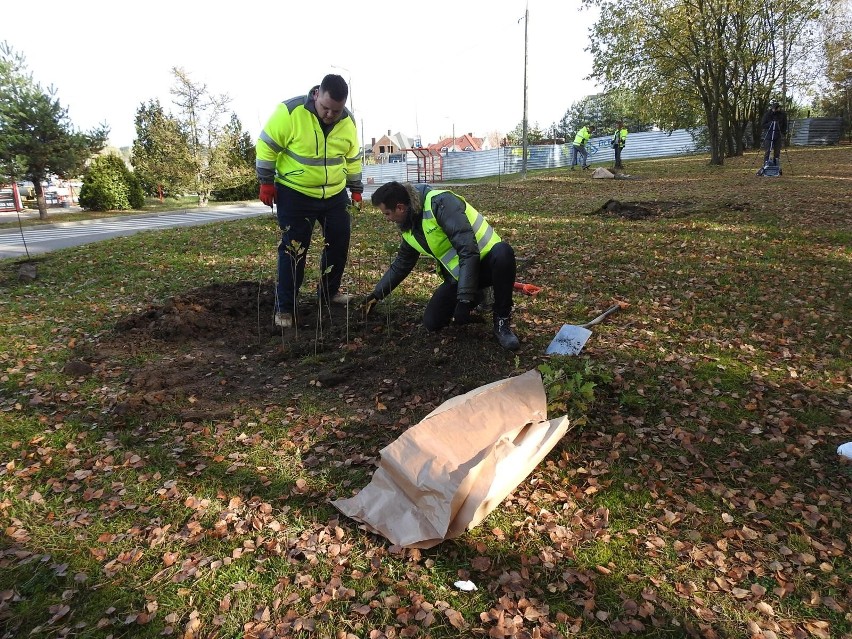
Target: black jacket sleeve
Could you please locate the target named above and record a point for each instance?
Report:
(405, 260)
(449, 211)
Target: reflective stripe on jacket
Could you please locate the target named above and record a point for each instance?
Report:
(439, 245)
(582, 137)
(293, 150)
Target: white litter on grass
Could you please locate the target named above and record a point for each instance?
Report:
(845, 450)
(467, 586)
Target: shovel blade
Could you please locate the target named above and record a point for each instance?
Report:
(569, 340)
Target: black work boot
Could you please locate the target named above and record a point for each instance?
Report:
(504, 334)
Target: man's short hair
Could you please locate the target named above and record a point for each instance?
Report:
(335, 86)
(390, 194)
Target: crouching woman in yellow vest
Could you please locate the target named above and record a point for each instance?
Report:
(470, 255)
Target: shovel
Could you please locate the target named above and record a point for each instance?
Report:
(571, 338)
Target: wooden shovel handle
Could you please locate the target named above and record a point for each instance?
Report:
(600, 318)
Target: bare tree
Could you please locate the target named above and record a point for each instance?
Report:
(211, 137)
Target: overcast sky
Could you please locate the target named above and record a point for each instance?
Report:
(413, 67)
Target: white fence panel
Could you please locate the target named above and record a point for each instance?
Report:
(466, 165)
(816, 131)
(381, 173)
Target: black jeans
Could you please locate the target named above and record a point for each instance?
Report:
(297, 215)
(773, 145)
(497, 269)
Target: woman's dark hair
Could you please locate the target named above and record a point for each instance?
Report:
(335, 86)
(391, 194)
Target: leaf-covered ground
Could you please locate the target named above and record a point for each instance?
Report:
(167, 457)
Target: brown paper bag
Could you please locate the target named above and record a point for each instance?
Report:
(445, 474)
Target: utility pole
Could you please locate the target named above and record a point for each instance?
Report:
(352, 100)
(784, 59)
(349, 78)
(524, 143)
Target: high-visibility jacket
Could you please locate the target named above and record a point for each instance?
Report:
(423, 235)
(619, 138)
(582, 137)
(295, 149)
(439, 245)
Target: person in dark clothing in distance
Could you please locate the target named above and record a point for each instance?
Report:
(774, 126)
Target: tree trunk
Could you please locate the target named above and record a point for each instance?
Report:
(40, 199)
(755, 133)
(728, 135)
(714, 134)
(740, 139)
(717, 152)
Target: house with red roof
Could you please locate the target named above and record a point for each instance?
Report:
(464, 142)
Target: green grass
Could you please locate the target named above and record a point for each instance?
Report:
(704, 465)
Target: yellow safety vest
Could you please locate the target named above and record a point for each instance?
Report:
(440, 246)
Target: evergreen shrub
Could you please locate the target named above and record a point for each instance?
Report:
(109, 185)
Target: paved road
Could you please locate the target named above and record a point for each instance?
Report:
(41, 239)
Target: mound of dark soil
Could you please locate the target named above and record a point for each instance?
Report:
(205, 312)
(640, 210)
(210, 352)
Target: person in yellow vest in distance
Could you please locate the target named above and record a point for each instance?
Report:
(579, 146)
(307, 156)
(619, 139)
(470, 255)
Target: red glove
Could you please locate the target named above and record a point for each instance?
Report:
(356, 200)
(267, 194)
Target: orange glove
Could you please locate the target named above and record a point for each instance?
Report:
(267, 194)
(527, 289)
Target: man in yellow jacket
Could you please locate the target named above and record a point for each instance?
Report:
(307, 156)
(579, 146)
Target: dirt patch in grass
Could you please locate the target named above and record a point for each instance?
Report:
(642, 210)
(210, 350)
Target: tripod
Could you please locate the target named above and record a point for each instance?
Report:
(770, 141)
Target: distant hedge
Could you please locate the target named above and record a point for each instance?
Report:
(247, 191)
(109, 185)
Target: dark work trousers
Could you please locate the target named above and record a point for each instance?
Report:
(772, 143)
(618, 164)
(578, 151)
(297, 215)
(496, 269)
